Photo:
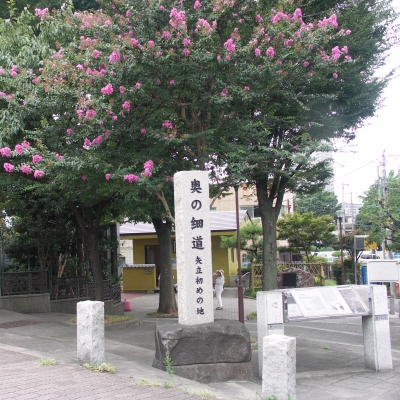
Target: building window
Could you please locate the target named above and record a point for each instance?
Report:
(253, 211)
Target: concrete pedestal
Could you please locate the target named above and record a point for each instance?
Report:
(376, 331)
(279, 367)
(90, 331)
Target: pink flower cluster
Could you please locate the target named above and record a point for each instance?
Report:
(14, 71)
(114, 57)
(270, 52)
(126, 106)
(331, 21)
(279, 16)
(19, 149)
(230, 45)
(36, 159)
(41, 13)
(108, 89)
(8, 167)
(148, 167)
(177, 19)
(167, 124)
(5, 152)
(26, 169)
(204, 27)
(224, 92)
(131, 178)
(38, 174)
(166, 35)
(96, 53)
(197, 5)
(298, 16)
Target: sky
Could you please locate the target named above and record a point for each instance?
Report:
(356, 169)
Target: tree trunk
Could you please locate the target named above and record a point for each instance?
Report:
(167, 301)
(95, 263)
(269, 214)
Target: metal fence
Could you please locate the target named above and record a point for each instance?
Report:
(14, 283)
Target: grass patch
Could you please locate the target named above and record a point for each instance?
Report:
(146, 382)
(330, 282)
(100, 367)
(252, 315)
(112, 319)
(325, 347)
(47, 361)
(203, 393)
(155, 314)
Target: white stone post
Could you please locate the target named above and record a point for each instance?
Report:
(193, 248)
(269, 319)
(279, 367)
(376, 330)
(90, 331)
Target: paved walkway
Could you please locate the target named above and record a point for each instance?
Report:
(330, 360)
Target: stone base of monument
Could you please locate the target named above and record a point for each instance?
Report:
(214, 352)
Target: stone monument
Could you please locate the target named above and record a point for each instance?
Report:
(199, 348)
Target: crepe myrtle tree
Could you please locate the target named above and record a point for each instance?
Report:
(232, 80)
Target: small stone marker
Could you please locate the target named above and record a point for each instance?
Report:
(376, 331)
(193, 248)
(279, 367)
(269, 319)
(90, 331)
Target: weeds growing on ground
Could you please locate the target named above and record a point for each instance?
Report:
(146, 382)
(252, 315)
(47, 361)
(112, 319)
(325, 347)
(100, 367)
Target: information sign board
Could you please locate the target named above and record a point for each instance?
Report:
(383, 271)
(325, 302)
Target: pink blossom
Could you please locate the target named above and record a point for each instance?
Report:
(247, 88)
(115, 117)
(306, 64)
(218, 57)
(167, 124)
(107, 133)
(5, 152)
(96, 53)
(137, 85)
(148, 165)
(80, 113)
(162, 8)
(197, 5)
(38, 174)
(177, 19)
(107, 22)
(26, 144)
(41, 13)
(259, 18)
(90, 114)
(344, 49)
(108, 89)
(166, 35)
(115, 56)
(8, 167)
(2, 71)
(227, 57)
(121, 89)
(288, 42)
(297, 16)
(2, 94)
(296, 147)
(348, 57)
(84, 177)
(278, 16)
(19, 149)
(335, 75)
(26, 169)
(333, 21)
(80, 67)
(224, 92)
(186, 42)
(128, 13)
(36, 158)
(172, 82)
(143, 131)
(257, 51)
(270, 52)
(126, 106)
(335, 53)
(69, 131)
(108, 176)
(230, 45)
(134, 42)
(87, 143)
(146, 172)
(280, 72)
(310, 73)
(186, 52)
(150, 43)
(59, 157)
(348, 32)
(131, 178)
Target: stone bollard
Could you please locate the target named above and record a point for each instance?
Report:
(376, 331)
(90, 331)
(392, 312)
(279, 367)
(269, 319)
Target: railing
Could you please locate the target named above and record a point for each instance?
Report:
(68, 288)
(111, 292)
(15, 283)
(315, 269)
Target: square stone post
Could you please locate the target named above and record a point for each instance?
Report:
(279, 367)
(269, 319)
(376, 331)
(193, 248)
(90, 331)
